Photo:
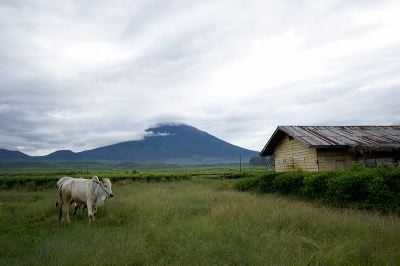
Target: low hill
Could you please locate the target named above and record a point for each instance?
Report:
(62, 154)
(13, 156)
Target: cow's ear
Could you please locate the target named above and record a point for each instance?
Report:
(95, 178)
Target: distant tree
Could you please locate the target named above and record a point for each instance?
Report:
(264, 161)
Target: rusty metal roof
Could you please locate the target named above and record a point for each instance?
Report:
(338, 136)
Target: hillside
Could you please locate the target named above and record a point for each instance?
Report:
(11, 156)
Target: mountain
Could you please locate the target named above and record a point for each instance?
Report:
(13, 156)
(176, 143)
(65, 155)
(171, 143)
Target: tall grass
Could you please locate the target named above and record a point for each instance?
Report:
(193, 222)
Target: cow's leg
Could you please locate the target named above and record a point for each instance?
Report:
(60, 213)
(90, 211)
(76, 207)
(80, 205)
(59, 204)
(65, 213)
(65, 208)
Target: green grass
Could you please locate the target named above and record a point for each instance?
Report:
(41, 178)
(193, 222)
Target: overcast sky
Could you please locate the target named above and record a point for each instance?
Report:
(83, 74)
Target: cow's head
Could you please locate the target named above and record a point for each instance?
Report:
(103, 187)
(106, 184)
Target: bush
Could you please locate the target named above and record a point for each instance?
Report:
(392, 179)
(383, 188)
(267, 182)
(289, 182)
(377, 188)
(345, 188)
(262, 183)
(369, 188)
(357, 166)
(315, 184)
(232, 175)
(378, 194)
(251, 183)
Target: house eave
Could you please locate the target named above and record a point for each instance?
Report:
(269, 147)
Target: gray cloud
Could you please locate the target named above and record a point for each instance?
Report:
(94, 73)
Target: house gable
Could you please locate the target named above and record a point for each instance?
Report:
(291, 154)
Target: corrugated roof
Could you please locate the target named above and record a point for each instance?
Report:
(350, 136)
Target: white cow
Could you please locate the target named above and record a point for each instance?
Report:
(62, 180)
(76, 205)
(91, 192)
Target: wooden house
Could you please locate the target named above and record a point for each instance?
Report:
(316, 148)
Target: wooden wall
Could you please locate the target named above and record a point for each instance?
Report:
(382, 161)
(291, 154)
(334, 159)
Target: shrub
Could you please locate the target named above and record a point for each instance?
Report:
(251, 183)
(267, 182)
(346, 188)
(289, 182)
(357, 166)
(263, 183)
(378, 194)
(315, 184)
(233, 175)
(383, 188)
(377, 188)
(392, 179)
(367, 188)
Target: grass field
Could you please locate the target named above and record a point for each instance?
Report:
(200, 221)
(33, 178)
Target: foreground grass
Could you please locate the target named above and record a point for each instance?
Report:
(193, 222)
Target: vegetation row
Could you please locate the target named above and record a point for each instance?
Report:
(366, 188)
(35, 181)
(40, 179)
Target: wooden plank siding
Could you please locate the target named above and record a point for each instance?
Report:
(334, 159)
(291, 154)
(382, 161)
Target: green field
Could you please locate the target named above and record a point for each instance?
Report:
(37, 175)
(195, 219)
